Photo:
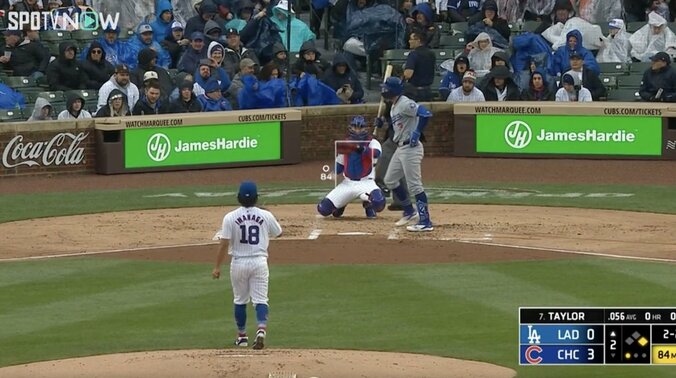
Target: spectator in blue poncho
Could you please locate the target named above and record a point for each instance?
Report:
(113, 47)
(165, 17)
(424, 23)
(207, 70)
(453, 79)
(143, 39)
(247, 68)
(300, 32)
(260, 94)
(561, 60)
(212, 100)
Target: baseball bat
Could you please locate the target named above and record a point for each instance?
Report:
(381, 106)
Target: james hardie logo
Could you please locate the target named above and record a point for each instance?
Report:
(159, 147)
(518, 134)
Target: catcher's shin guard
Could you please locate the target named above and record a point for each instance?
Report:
(326, 207)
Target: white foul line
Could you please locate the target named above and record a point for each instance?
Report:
(315, 234)
(103, 252)
(597, 254)
(393, 234)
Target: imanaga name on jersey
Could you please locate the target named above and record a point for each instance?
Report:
(249, 217)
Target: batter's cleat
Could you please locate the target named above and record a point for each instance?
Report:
(259, 343)
(395, 207)
(406, 219)
(242, 341)
(420, 227)
(337, 213)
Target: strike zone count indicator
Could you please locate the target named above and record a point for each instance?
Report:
(597, 336)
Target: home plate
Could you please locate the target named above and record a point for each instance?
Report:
(354, 233)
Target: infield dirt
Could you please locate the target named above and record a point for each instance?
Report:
(463, 234)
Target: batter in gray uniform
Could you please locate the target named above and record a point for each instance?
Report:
(408, 121)
(388, 147)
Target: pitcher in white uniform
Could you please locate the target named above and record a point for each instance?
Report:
(245, 234)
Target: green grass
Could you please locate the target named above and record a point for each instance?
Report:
(659, 199)
(76, 307)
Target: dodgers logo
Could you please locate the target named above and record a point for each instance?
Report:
(159, 147)
(532, 354)
(518, 134)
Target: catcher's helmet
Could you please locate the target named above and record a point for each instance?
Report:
(392, 87)
(358, 128)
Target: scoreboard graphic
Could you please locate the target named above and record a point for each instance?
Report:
(597, 336)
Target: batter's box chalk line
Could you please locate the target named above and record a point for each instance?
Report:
(281, 374)
(315, 234)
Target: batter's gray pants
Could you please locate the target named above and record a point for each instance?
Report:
(388, 148)
(406, 163)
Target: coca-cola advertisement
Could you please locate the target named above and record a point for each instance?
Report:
(25, 151)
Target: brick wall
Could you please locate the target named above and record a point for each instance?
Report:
(321, 127)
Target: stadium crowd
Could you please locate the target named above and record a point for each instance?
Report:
(233, 54)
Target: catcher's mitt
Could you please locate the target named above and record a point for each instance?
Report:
(348, 148)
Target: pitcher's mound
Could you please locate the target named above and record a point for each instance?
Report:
(260, 364)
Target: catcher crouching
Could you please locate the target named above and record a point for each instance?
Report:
(355, 160)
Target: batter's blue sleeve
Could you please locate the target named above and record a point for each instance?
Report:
(423, 117)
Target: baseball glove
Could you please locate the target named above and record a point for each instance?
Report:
(348, 148)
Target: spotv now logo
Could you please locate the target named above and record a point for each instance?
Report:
(85, 20)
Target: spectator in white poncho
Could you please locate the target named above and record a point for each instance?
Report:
(615, 47)
(652, 38)
(600, 11)
(480, 52)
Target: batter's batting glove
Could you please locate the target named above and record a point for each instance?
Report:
(415, 137)
(379, 122)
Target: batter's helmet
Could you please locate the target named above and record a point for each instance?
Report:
(358, 128)
(392, 87)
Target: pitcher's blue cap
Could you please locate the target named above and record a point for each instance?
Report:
(247, 189)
